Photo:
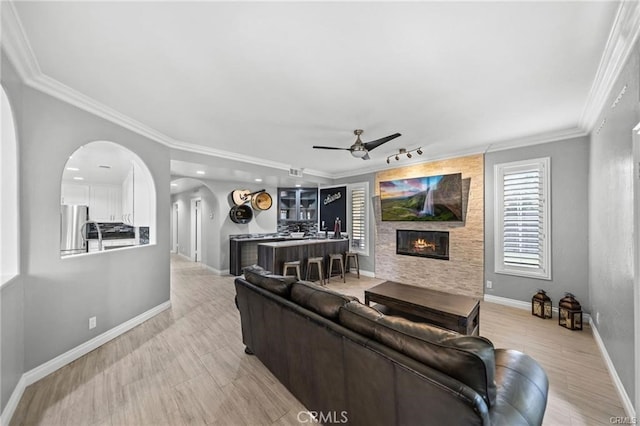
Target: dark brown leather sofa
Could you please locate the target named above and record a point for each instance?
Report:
(351, 364)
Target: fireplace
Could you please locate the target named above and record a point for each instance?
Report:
(433, 244)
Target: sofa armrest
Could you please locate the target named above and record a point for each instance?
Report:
(522, 386)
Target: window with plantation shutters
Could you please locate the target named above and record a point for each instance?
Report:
(358, 232)
(522, 241)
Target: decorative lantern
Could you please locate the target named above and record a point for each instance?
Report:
(570, 312)
(541, 305)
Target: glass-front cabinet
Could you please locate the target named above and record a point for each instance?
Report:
(296, 204)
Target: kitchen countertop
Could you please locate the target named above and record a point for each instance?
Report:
(293, 243)
(266, 238)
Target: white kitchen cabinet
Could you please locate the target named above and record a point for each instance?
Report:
(141, 196)
(75, 194)
(93, 246)
(136, 200)
(105, 203)
(127, 198)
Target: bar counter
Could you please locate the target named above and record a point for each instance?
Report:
(243, 249)
(272, 255)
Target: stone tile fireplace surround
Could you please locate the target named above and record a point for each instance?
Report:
(463, 273)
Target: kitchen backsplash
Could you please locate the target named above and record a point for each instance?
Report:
(144, 234)
(303, 226)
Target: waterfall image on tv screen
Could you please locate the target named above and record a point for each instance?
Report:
(431, 198)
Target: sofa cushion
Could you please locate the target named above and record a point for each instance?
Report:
(319, 299)
(359, 318)
(278, 284)
(470, 359)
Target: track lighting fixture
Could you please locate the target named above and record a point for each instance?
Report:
(403, 151)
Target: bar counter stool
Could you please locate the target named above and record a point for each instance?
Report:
(332, 258)
(295, 264)
(350, 255)
(318, 261)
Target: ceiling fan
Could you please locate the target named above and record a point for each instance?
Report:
(361, 149)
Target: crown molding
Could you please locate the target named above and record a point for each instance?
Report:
(622, 37)
(16, 44)
(213, 152)
(538, 139)
(17, 47)
(541, 138)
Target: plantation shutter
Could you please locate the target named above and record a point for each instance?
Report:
(358, 219)
(524, 213)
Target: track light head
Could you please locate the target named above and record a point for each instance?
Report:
(403, 151)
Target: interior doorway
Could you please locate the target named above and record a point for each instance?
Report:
(196, 229)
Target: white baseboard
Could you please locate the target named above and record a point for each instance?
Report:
(524, 305)
(216, 271)
(184, 256)
(367, 273)
(12, 404)
(626, 401)
(507, 302)
(624, 397)
(60, 361)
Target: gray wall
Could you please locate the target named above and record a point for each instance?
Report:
(61, 294)
(367, 263)
(611, 225)
(216, 230)
(12, 336)
(569, 237)
(12, 293)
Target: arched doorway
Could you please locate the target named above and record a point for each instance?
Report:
(194, 231)
(9, 214)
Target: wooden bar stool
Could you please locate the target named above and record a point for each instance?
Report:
(332, 258)
(353, 256)
(295, 264)
(318, 261)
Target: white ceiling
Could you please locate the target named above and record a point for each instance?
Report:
(266, 81)
(98, 162)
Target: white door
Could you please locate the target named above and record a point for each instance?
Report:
(175, 227)
(196, 230)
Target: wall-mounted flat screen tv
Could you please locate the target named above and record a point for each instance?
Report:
(431, 198)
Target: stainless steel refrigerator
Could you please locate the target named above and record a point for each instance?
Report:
(72, 219)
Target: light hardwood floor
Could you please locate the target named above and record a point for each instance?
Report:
(187, 366)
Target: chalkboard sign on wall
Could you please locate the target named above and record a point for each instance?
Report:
(333, 204)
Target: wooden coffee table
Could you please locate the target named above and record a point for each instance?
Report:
(451, 311)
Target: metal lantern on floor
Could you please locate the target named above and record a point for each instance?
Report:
(541, 305)
(570, 312)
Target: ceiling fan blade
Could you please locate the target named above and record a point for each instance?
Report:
(374, 144)
(331, 147)
(366, 157)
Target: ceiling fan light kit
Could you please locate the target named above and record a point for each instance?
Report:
(361, 149)
(403, 151)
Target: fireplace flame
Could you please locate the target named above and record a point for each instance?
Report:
(422, 245)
